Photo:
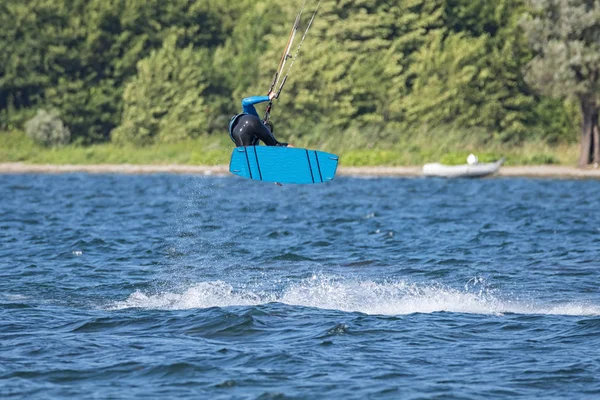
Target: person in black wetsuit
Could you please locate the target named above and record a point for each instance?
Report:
(246, 129)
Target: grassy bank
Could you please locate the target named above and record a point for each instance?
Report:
(16, 147)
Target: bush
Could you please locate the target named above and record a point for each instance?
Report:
(541, 159)
(48, 129)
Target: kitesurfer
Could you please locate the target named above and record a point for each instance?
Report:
(246, 128)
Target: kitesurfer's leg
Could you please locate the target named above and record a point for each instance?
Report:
(249, 128)
(262, 132)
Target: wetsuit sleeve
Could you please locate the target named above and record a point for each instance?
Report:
(249, 102)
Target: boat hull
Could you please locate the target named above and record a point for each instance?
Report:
(462, 171)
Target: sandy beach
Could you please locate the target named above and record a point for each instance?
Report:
(541, 171)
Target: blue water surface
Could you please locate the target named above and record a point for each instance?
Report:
(173, 286)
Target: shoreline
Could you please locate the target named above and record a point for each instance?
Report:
(538, 171)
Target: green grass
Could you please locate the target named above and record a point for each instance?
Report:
(213, 150)
(16, 147)
(364, 148)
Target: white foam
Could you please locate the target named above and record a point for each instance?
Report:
(379, 298)
(200, 295)
(13, 297)
(574, 308)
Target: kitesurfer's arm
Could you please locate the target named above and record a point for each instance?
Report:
(249, 102)
(264, 133)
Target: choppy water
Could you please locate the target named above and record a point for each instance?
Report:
(167, 286)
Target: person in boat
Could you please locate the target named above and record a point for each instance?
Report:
(246, 128)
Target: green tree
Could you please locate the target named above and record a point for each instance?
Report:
(467, 75)
(565, 37)
(77, 55)
(236, 62)
(165, 103)
(372, 69)
(350, 69)
(23, 41)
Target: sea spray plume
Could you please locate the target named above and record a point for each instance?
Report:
(200, 295)
(353, 295)
(196, 242)
(386, 298)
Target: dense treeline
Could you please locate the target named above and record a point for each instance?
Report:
(148, 71)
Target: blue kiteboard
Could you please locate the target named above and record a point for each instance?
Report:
(283, 164)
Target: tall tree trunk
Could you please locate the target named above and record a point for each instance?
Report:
(596, 136)
(587, 111)
(595, 121)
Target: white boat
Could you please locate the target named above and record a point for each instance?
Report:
(473, 169)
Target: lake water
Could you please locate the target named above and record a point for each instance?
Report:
(173, 286)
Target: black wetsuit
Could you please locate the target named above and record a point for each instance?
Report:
(247, 129)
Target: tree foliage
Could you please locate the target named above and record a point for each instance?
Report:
(369, 71)
(77, 55)
(165, 102)
(565, 35)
